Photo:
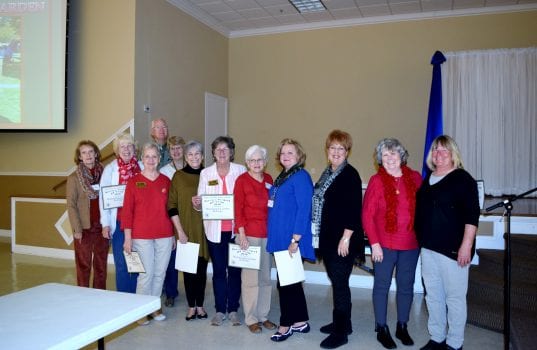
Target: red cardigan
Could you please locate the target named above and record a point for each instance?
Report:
(145, 208)
(374, 211)
(251, 200)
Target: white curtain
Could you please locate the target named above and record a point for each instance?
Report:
(490, 109)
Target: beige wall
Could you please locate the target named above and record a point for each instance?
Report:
(100, 84)
(178, 59)
(371, 80)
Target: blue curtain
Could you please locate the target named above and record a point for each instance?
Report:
(434, 119)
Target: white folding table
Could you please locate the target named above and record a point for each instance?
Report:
(59, 316)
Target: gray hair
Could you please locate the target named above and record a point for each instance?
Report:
(193, 144)
(391, 144)
(148, 146)
(255, 149)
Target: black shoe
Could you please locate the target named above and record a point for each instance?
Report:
(329, 329)
(305, 328)
(432, 345)
(451, 348)
(334, 341)
(281, 336)
(191, 317)
(384, 337)
(402, 334)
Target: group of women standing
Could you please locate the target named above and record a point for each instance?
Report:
(400, 215)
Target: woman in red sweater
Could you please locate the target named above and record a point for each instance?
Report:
(251, 211)
(388, 220)
(148, 229)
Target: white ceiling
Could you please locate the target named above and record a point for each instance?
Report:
(236, 18)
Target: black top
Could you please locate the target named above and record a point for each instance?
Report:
(342, 209)
(442, 211)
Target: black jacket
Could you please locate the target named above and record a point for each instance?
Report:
(442, 211)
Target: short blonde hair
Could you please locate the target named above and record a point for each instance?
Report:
(450, 144)
(124, 137)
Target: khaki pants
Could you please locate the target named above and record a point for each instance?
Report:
(256, 287)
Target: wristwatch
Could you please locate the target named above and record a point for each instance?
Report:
(295, 241)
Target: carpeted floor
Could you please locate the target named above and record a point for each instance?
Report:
(486, 291)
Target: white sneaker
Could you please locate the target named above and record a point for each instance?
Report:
(159, 317)
(234, 318)
(218, 319)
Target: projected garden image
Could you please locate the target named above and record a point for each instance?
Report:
(10, 69)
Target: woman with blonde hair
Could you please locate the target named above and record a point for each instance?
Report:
(118, 172)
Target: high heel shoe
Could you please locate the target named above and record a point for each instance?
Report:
(193, 316)
(282, 336)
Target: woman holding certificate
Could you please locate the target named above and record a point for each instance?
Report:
(219, 179)
(337, 206)
(289, 228)
(251, 198)
(118, 172)
(148, 229)
(183, 209)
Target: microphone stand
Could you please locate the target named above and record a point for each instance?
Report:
(508, 205)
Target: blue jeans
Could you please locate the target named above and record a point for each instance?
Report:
(125, 281)
(171, 279)
(404, 262)
(226, 279)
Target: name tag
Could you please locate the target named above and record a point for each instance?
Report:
(141, 185)
(267, 185)
(213, 183)
(270, 203)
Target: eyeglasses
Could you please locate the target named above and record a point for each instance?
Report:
(337, 149)
(254, 161)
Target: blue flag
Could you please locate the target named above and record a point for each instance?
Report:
(434, 119)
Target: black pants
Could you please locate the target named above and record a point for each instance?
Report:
(293, 305)
(195, 284)
(339, 270)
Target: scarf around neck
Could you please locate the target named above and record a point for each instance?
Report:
(327, 178)
(391, 193)
(87, 177)
(128, 169)
(285, 175)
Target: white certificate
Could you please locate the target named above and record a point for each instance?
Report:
(247, 259)
(112, 196)
(186, 257)
(290, 268)
(134, 262)
(217, 207)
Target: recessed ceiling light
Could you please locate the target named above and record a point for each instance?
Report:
(304, 6)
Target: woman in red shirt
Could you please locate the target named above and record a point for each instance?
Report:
(388, 220)
(148, 229)
(251, 210)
